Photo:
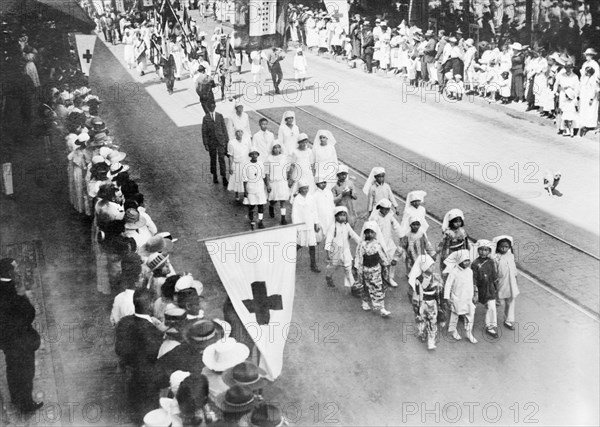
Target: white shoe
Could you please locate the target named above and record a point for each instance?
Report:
(456, 336)
(384, 313)
(366, 306)
(471, 338)
(393, 283)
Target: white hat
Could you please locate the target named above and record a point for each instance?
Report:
(188, 282)
(384, 203)
(302, 137)
(303, 183)
(342, 169)
(483, 243)
(176, 379)
(105, 151)
(377, 170)
(224, 354)
(456, 258)
(516, 46)
(503, 237)
(158, 418)
(450, 215)
(339, 209)
(422, 263)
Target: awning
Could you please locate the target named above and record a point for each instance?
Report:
(65, 12)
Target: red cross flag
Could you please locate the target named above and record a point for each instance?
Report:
(85, 51)
(258, 271)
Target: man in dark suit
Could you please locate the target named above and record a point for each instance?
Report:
(137, 343)
(368, 46)
(18, 339)
(214, 138)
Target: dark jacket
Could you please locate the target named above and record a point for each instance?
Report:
(485, 277)
(137, 341)
(214, 132)
(16, 317)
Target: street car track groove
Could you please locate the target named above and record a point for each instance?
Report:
(553, 290)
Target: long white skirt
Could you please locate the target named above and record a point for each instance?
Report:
(306, 238)
(236, 182)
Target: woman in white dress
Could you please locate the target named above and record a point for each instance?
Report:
(237, 150)
(589, 92)
(128, 39)
(238, 121)
(304, 212)
(326, 160)
(312, 34)
(302, 164)
(288, 133)
(567, 87)
(300, 68)
(177, 52)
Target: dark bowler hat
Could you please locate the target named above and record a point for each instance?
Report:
(235, 400)
(246, 374)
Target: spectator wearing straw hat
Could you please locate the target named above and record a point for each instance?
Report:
(218, 357)
(135, 226)
(267, 415)
(246, 374)
(188, 356)
(235, 405)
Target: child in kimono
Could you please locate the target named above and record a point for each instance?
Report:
(390, 233)
(485, 277)
(459, 293)
(371, 262)
(255, 180)
(344, 193)
(304, 211)
(325, 206)
(337, 245)
(376, 188)
(454, 236)
(426, 287)
(415, 244)
(508, 288)
(276, 169)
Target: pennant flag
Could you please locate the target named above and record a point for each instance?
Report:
(258, 271)
(85, 50)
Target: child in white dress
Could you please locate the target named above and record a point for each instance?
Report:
(337, 246)
(304, 211)
(325, 207)
(254, 177)
(277, 184)
(300, 68)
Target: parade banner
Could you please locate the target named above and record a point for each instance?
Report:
(259, 24)
(85, 51)
(338, 9)
(258, 271)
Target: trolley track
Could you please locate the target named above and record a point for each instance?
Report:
(526, 273)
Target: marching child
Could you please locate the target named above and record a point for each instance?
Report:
(415, 243)
(459, 293)
(255, 181)
(325, 206)
(485, 276)
(344, 193)
(454, 236)
(371, 262)
(376, 188)
(508, 288)
(300, 68)
(426, 287)
(237, 150)
(414, 207)
(390, 233)
(337, 246)
(304, 210)
(277, 184)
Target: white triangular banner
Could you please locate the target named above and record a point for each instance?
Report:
(258, 271)
(85, 51)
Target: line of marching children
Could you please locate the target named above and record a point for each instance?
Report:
(309, 176)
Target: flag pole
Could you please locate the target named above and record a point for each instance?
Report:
(280, 227)
(188, 42)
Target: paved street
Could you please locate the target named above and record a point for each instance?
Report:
(343, 366)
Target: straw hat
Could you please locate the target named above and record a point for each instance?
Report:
(115, 156)
(133, 220)
(188, 282)
(156, 260)
(266, 415)
(235, 400)
(203, 333)
(590, 51)
(246, 374)
(224, 354)
(158, 244)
